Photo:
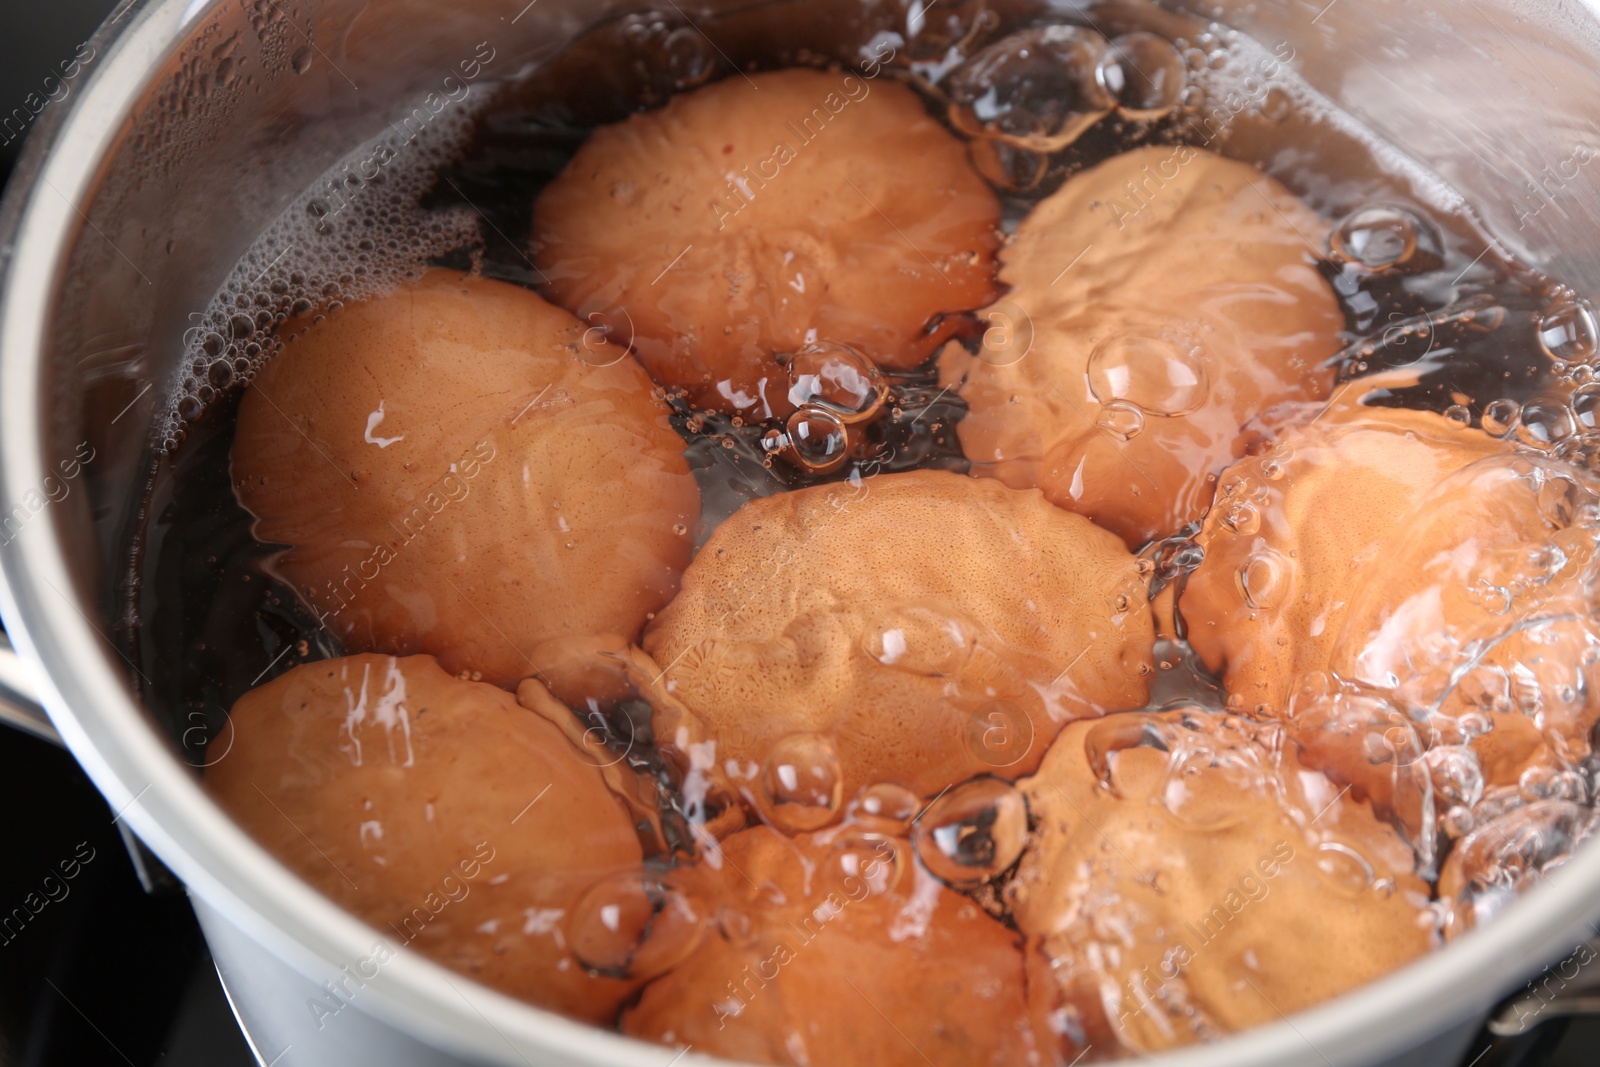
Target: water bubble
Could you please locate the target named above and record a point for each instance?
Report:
(1242, 518)
(1115, 734)
(887, 803)
(1143, 74)
(1568, 332)
(1153, 372)
(999, 734)
(1120, 419)
(803, 785)
(815, 440)
(1500, 417)
(1459, 415)
(973, 832)
(877, 860)
(1544, 424)
(835, 378)
(1347, 870)
(635, 925)
(1263, 579)
(1376, 237)
(1456, 774)
(1007, 167)
(685, 56)
(1035, 89)
(1585, 406)
(919, 640)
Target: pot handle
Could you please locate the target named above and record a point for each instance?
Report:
(18, 708)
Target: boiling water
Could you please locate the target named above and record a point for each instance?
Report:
(1484, 340)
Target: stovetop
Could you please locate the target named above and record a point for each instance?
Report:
(98, 971)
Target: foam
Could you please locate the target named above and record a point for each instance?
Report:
(356, 232)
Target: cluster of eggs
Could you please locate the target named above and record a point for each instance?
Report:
(869, 717)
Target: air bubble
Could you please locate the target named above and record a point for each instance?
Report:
(1500, 417)
(1544, 424)
(1376, 237)
(1121, 420)
(1036, 89)
(1158, 374)
(804, 788)
(1568, 332)
(837, 379)
(892, 806)
(973, 832)
(1346, 870)
(1242, 518)
(1459, 415)
(1263, 579)
(1585, 406)
(1143, 74)
(635, 925)
(815, 440)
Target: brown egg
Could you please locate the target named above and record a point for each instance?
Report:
(1158, 301)
(454, 821)
(1187, 879)
(835, 948)
(462, 469)
(1482, 603)
(914, 629)
(1295, 534)
(762, 213)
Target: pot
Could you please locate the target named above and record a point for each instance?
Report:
(189, 126)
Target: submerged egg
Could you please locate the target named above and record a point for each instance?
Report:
(843, 956)
(1295, 532)
(785, 209)
(463, 469)
(1482, 601)
(1127, 404)
(818, 612)
(453, 820)
(1152, 928)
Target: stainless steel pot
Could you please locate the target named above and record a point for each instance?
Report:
(188, 129)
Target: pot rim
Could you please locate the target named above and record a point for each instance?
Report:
(145, 783)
